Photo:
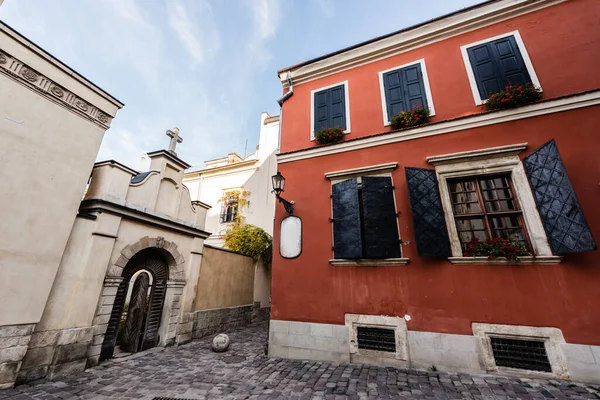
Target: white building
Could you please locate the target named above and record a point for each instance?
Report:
(235, 174)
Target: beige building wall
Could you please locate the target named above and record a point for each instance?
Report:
(51, 127)
(52, 121)
(226, 280)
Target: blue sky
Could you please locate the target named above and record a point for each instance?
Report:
(207, 67)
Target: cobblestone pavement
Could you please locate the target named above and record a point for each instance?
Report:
(192, 371)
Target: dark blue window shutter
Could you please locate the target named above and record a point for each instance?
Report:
(338, 107)
(404, 89)
(496, 64)
(347, 239)
(565, 225)
(431, 234)
(330, 108)
(322, 110)
(379, 215)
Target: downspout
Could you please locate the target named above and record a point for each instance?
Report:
(282, 100)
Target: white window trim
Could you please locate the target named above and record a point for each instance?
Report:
(353, 321)
(552, 337)
(534, 79)
(428, 95)
(312, 107)
(485, 162)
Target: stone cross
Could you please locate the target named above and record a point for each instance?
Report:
(175, 138)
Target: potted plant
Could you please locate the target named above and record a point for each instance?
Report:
(497, 247)
(513, 96)
(329, 135)
(416, 116)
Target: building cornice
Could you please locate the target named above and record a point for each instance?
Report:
(50, 90)
(586, 99)
(58, 64)
(472, 155)
(412, 38)
(225, 169)
(170, 156)
(116, 164)
(388, 167)
(145, 217)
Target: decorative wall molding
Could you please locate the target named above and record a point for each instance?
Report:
(388, 167)
(551, 106)
(28, 77)
(386, 262)
(473, 155)
(412, 38)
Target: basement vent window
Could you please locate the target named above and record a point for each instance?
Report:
(522, 354)
(379, 339)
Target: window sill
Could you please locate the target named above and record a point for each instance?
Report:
(547, 260)
(384, 262)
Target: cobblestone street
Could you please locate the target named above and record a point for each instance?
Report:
(194, 372)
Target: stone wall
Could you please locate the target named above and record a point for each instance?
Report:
(217, 320)
(14, 340)
(55, 353)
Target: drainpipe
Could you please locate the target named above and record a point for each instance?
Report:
(282, 100)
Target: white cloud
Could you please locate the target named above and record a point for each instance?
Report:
(326, 6)
(200, 37)
(266, 15)
(128, 10)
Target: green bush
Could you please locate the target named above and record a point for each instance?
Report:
(248, 240)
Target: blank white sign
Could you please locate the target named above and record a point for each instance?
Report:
(290, 239)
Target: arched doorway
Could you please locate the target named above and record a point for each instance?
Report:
(137, 309)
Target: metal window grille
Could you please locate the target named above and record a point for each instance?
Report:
(522, 354)
(380, 339)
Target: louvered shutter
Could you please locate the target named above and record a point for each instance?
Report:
(380, 223)
(347, 241)
(404, 89)
(563, 219)
(431, 233)
(157, 299)
(496, 64)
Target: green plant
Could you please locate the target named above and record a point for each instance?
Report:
(248, 240)
(433, 368)
(416, 116)
(235, 196)
(496, 247)
(513, 96)
(331, 135)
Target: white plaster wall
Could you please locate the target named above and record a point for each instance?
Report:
(47, 157)
(209, 186)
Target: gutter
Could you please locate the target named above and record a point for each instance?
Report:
(282, 100)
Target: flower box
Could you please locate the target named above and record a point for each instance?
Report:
(330, 135)
(513, 96)
(416, 116)
(497, 248)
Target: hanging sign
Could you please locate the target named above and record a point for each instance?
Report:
(290, 237)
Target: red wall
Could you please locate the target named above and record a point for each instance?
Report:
(563, 42)
(439, 296)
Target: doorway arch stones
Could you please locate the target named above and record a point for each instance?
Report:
(113, 279)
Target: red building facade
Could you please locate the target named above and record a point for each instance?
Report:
(384, 275)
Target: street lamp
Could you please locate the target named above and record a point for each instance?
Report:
(278, 186)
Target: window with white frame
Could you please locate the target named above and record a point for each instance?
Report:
(488, 196)
(330, 108)
(404, 88)
(496, 62)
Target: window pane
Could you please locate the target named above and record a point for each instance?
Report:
(464, 197)
(471, 228)
(507, 227)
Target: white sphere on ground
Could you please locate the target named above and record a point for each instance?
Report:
(220, 343)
